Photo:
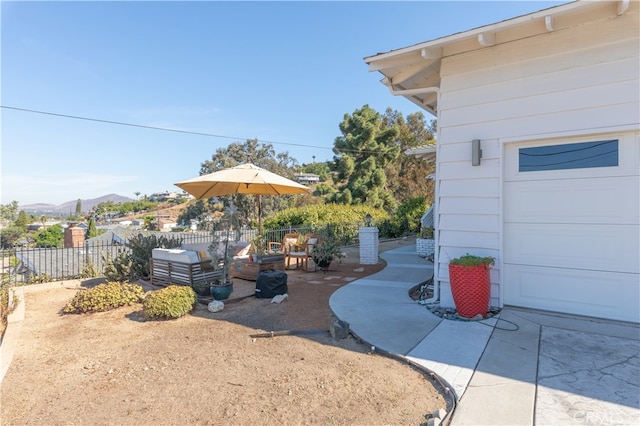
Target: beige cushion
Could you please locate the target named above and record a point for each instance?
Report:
(291, 241)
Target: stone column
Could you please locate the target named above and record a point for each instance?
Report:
(369, 245)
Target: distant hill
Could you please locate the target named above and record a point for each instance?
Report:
(70, 206)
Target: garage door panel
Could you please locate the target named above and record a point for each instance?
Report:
(599, 294)
(577, 246)
(573, 200)
(571, 239)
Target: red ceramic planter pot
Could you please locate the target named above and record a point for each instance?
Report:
(471, 289)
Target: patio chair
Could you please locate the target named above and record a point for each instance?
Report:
(279, 247)
(301, 252)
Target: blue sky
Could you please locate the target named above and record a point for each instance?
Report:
(282, 72)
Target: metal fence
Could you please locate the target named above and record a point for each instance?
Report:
(36, 265)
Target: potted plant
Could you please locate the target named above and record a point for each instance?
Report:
(470, 284)
(222, 286)
(425, 243)
(324, 252)
(258, 247)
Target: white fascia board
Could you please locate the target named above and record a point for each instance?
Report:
(474, 33)
(422, 151)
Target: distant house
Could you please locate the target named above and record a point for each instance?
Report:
(538, 153)
(37, 226)
(163, 196)
(306, 178)
(166, 224)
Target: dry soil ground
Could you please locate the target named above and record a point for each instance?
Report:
(205, 368)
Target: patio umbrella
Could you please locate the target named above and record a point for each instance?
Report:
(243, 179)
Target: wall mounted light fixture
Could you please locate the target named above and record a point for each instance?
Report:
(476, 152)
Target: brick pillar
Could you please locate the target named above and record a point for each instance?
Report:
(73, 237)
(369, 245)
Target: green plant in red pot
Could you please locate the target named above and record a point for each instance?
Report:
(470, 284)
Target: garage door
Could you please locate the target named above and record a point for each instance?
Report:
(572, 227)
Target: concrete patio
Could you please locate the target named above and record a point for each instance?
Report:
(522, 367)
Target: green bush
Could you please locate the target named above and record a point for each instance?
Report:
(410, 212)
(104, 297)
(342, 220)
(406, 220)
(391, 228)
(170, 302)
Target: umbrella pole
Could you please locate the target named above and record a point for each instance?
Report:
(259, 215)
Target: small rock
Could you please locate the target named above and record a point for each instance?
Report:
(215, 306)
(477, 317)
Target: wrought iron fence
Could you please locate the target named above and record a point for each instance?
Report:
(36, 265)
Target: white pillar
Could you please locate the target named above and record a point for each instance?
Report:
(369, 245)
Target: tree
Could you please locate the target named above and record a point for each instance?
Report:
(320, 169)
(22, 220)
(79, 208)
(92, 230)
(367, 146)
(150, 222)
(262, 155)
(104, 209)
(407, 176)
(8, 212)
(50, 237)
(9, 236)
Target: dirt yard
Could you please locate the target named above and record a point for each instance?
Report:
(114, 368)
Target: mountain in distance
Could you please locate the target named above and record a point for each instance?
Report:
(70, 206)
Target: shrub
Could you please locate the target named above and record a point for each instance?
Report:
(5, 307)
(135, 263)
(405, 220)
(142, 246)
(426, 233)
(410, 212)
(120, 268)
(342, 220)
(391, 228)
(104, 297)
(170, 302)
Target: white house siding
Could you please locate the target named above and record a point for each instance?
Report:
(581, 80)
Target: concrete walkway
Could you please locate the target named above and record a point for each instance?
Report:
(523, 367)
